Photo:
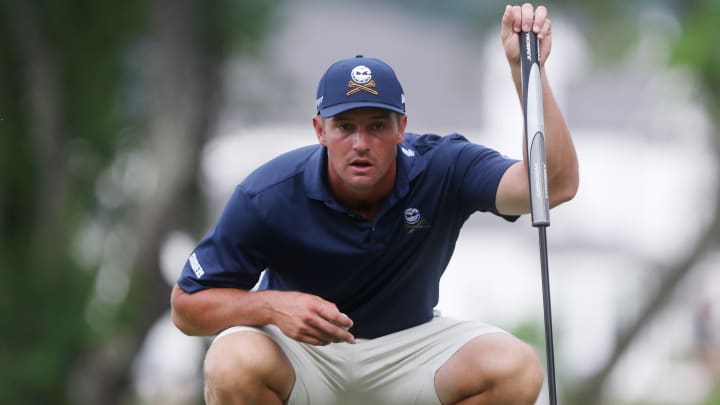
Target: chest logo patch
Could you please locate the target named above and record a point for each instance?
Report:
(414, 221)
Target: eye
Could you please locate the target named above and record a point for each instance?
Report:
(378, 126)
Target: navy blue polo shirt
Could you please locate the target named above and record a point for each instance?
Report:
(383, 273)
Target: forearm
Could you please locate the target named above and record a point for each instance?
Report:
(208, 312)
(303, 317)
(562, 164)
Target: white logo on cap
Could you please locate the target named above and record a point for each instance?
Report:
(361, 74)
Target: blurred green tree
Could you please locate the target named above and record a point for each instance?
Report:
(103, 111)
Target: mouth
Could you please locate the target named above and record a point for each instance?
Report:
(361, 164)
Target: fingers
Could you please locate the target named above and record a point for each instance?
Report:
(330, 313)
(328, 332)
(336, 324)
(539, 19)
(326, 324)
(524, 18)
(529, 19)
(545, 31)
(310, 319)
(507, 23)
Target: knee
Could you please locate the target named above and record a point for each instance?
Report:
(512, 367)
(243, 362)
(529, 370)
(234, 357)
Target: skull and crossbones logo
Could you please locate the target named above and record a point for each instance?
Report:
(361, 80)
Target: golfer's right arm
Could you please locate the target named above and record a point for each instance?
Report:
(304, 317)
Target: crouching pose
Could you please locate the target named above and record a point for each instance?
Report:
(348, 239)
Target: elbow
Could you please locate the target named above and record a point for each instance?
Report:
(180, 323)
(568, 194)
(178, 304)
(566, 191)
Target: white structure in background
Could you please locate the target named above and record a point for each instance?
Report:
(643, 199)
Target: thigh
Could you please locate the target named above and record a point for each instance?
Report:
(318, 370)
(400, 367)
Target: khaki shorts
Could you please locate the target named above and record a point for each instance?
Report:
(398, 368)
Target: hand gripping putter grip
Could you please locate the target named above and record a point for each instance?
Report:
(532, 101)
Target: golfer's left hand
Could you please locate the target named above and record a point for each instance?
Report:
(525, 18)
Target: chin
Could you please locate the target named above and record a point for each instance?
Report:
(362, 183)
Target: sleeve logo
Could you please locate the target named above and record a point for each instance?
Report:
(195, 265)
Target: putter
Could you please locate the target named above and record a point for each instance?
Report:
(532, 101)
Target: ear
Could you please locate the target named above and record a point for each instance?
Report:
(401, 129)
(319, 125)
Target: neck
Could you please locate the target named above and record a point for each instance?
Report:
(363, 202)
(367, 210)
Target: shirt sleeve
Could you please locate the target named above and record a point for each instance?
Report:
(229, 254)
(479, 170)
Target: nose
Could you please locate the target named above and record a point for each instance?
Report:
(361, 141)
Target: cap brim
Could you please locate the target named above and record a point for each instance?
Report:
(333, 110)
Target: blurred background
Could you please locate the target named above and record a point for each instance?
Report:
(124, 127)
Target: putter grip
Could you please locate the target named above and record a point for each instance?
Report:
(532, 101)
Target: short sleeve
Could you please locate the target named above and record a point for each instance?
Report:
(480, 169)
(229, 255)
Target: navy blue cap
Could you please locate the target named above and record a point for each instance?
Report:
(359, 82)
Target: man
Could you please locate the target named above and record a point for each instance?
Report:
(353, 235)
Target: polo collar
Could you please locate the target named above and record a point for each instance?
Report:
(317, 189)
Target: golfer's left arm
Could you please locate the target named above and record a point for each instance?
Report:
(513, 194)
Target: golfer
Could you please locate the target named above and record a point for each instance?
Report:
(348, 239)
